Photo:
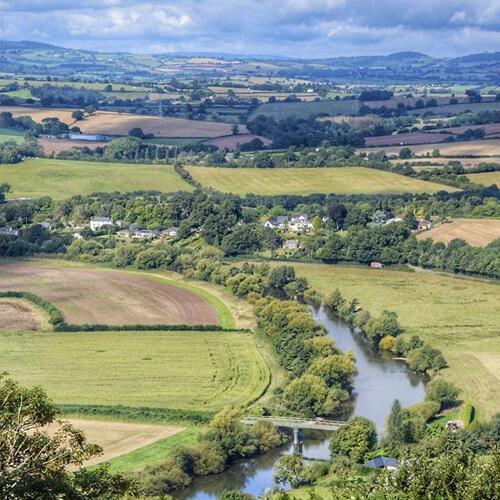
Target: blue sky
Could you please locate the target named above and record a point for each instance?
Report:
(301, 28)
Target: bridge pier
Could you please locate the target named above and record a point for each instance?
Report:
(298, 440)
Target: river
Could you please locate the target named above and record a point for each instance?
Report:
(380, 380)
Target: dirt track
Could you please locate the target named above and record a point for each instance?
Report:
(108, 297)
(119, 438)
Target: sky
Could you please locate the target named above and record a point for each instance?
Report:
(294, 28)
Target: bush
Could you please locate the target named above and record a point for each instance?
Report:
(426, 409)
(55, 316)
(355, 440)
(442, 392)
(387, 343)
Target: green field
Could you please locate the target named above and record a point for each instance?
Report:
(452, 109)
(62, 179)
(303, 181)
(202, 371)
(486, 178)
(282, 110)
(460, 316)
(9, 134)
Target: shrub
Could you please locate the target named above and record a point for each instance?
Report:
(387, 343)
(468, 414)
(355, 440)
(442, 392)
(426, 409)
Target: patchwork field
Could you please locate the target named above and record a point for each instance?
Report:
(282, 110)
(303, 181)
(101, 296)
(231, 142)
(178, 370)
(486, 178)
(476, 232)
(487, 147)
(460, 316)
(62, 179)
(424, 163)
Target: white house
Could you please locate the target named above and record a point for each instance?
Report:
(99, 222)
(423, 225)
(300, 224)
(291, 245)
(279, 223)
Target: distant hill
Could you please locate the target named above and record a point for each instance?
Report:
(28, 45)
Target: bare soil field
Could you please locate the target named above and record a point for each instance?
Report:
(118, 438)
(59, 145)
(487, 147)
(119, 124)
(17, 315)
(231, 142)
(489, 129)
(109, 123)
(100, 296)
(476, 232)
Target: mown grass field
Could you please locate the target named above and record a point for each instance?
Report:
(485, 178)
(458, 315)
(202, 371)
(476, 232)
(62, 179)
(303, 181)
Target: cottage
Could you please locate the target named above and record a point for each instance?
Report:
(97, 223)
(376, 265)
(291, 245)
(279, 223)
(8, 231)
(300, 224)
(382, 463)
(423, 225)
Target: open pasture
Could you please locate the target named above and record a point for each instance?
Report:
(405, 139)
(109, 297)
(61, 179)
(202, 371)
(8, 134)
(458, 315)
(485, 178)
(476, 232)
(486, 147)
(303, 181)
(426, 163)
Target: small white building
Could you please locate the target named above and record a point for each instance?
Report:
(171, 232)
(8, 231)
(280, 222)
(291, 245)
(423, 225)
(97, 223)
(394, 219)
(145, 234)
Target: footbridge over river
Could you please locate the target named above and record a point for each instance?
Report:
(297, 425)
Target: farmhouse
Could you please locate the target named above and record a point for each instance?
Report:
(8, 231)
(99, 222)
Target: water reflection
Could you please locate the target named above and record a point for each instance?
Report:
(380, 380)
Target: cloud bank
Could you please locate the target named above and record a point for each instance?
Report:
(297, 28)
